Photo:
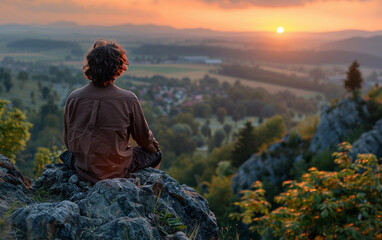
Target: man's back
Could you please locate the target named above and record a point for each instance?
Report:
(98, 124)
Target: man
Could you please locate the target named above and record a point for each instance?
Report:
(100, 118)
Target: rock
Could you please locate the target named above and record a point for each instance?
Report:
(138, 207)
(177, 236)
(55, 179)
(335, 123)
(272, 166)
(149, 191)
(127, 228)
(14, 192)
(47, 220)
(369, 142)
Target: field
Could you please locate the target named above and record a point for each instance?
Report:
(195, 72)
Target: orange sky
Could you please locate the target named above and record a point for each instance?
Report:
(224, 15)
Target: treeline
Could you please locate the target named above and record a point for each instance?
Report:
(261, 75)
(297, 57)
(42, 44)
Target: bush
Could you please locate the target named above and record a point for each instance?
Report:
(343, 204)
(13, 130)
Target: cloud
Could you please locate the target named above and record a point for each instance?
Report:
(266, 3)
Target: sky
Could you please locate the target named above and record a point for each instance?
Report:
(221, 15)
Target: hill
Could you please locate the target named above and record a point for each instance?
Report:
(297, 57)
(369, 45)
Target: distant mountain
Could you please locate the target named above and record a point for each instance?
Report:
(150, 33)
(370, 45)
(297, 57)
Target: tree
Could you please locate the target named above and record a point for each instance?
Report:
(206, 131)
(44, 156)
(7, 81)
(13, 130)
(220, 114)
(344, 204)
(245, 145)
(272, 129)
(23, 76)
(45, 92)
(217, 139)
(188, 118)
(227, 128)
(353, 82)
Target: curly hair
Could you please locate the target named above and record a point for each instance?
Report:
(105, 62)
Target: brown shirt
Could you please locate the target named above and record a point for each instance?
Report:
(98, 123)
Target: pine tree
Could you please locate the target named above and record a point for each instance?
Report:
(353, 82)
(245, 145)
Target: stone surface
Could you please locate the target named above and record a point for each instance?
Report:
(369, 142)
(47, 220)
(271, 165)
(14, 193)
(121, 208)
(337, 122)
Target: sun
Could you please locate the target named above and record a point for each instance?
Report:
(280, 30)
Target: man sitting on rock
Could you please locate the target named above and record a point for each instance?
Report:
(100, 118)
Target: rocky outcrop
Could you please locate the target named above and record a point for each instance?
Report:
(369, 142)
(148, 205)
(337, 122)
(271, 166)
(14, 192)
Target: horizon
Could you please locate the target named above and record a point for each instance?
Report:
(295, 16)
(180, 28)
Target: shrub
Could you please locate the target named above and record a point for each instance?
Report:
(342, 204)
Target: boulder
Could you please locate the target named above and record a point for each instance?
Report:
(148, 205)
(369, 142)
(47, 221)
(271, 166)
(14, 192)
(337, 122)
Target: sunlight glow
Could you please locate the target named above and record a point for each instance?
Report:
(280, 30)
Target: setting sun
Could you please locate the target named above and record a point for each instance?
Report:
(280, 30)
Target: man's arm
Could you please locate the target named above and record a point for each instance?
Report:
(139, 128)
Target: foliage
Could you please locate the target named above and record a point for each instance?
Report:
(342, 204)
(206, 130)
(168, 223)
(45, 156)
(193, 170)
(217, 139)
(188, 119)
(6, 78)
(13, 130)
(272, 129)
(307, 127)
(244, 146)
(323, 161)
(221, 113)
(251, 139)
(227, 129)
(353, 82)
(220, 198)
